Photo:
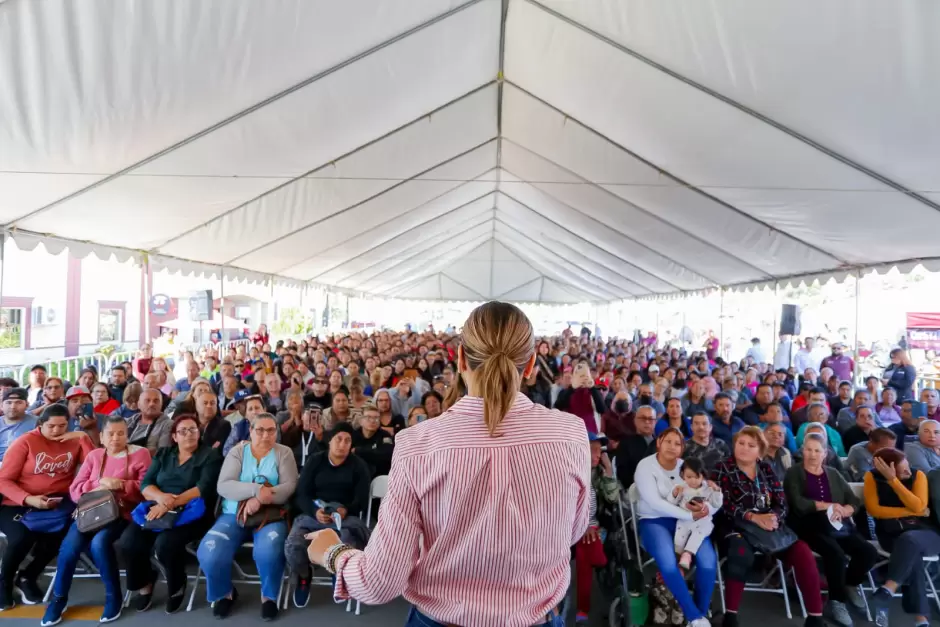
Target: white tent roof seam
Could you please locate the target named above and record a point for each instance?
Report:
(529, 150)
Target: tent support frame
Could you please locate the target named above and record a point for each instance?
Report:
(603, 250)
(549, 252)
(361, 202)
(741, 107)
(673, 177)
(642, 210)
(255, 107)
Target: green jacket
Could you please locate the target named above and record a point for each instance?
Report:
(606, 488)
(794, 486)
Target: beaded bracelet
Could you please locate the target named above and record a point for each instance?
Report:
(332, 554)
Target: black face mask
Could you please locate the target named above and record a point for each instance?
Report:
(646, 399)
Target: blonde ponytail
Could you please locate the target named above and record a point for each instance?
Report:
(497, 380)
(497, 343)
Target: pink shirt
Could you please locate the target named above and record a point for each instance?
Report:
(492, 519)
(130, 467)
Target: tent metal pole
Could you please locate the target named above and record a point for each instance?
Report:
(776, 329)
(858, 288)
(148, 295)
(721, 321)
(3, 267)
(221, 305)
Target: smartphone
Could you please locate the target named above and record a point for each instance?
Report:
(55, 500)
(697, 499)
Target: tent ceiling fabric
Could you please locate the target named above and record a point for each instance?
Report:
(532, 150)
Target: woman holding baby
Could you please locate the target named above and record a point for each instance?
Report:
(821, 508)
(674, 509)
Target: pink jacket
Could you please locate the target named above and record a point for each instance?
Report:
(131, 468)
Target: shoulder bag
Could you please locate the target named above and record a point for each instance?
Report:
(99, 508)
(49, 520)
(267, 514)
(767, 542)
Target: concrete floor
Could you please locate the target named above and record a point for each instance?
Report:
(86, 597)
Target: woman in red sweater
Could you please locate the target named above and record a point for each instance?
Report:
(37, 471)
(101, 398)
(118, 467)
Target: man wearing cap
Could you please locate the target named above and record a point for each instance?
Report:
(81, 416)
(16, 421)
(843, 366)
(37, 382)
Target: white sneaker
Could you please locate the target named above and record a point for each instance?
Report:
(700, 622)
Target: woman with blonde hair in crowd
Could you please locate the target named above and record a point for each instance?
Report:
(451, 477)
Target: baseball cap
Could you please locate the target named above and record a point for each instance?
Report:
(597, 437)
(38, 367)
(242, 395)
(77, 390)
(17, 394)
(654, 368)
(313, 405)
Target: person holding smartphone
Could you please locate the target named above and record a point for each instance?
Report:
(37, 472)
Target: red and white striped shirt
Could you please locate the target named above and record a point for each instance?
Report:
(494, 517)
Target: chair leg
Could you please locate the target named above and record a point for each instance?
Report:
(721, 588)
(786, 593)
(358, 607)
(192, 595)
(861, 591)
(45, 597)
(933, 590)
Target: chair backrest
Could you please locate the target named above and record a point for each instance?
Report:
(377, 490)
(379, 487)
(859, 490)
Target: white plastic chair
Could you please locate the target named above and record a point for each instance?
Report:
(377, 490)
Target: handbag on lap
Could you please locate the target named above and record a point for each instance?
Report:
(99, 508)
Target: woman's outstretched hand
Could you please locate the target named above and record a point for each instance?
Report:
(320, 541)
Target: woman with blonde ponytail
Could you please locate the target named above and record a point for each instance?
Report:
(484, 502)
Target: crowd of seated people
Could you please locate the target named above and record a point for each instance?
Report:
(754, 429)
(262, 444)
(287, 437)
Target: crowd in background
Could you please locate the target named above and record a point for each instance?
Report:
(287, 437)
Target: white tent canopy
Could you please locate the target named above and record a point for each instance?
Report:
(530, 150)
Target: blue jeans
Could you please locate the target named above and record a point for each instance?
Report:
(101, 547)
(657, 535)
(417, 619)
(217, 552)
